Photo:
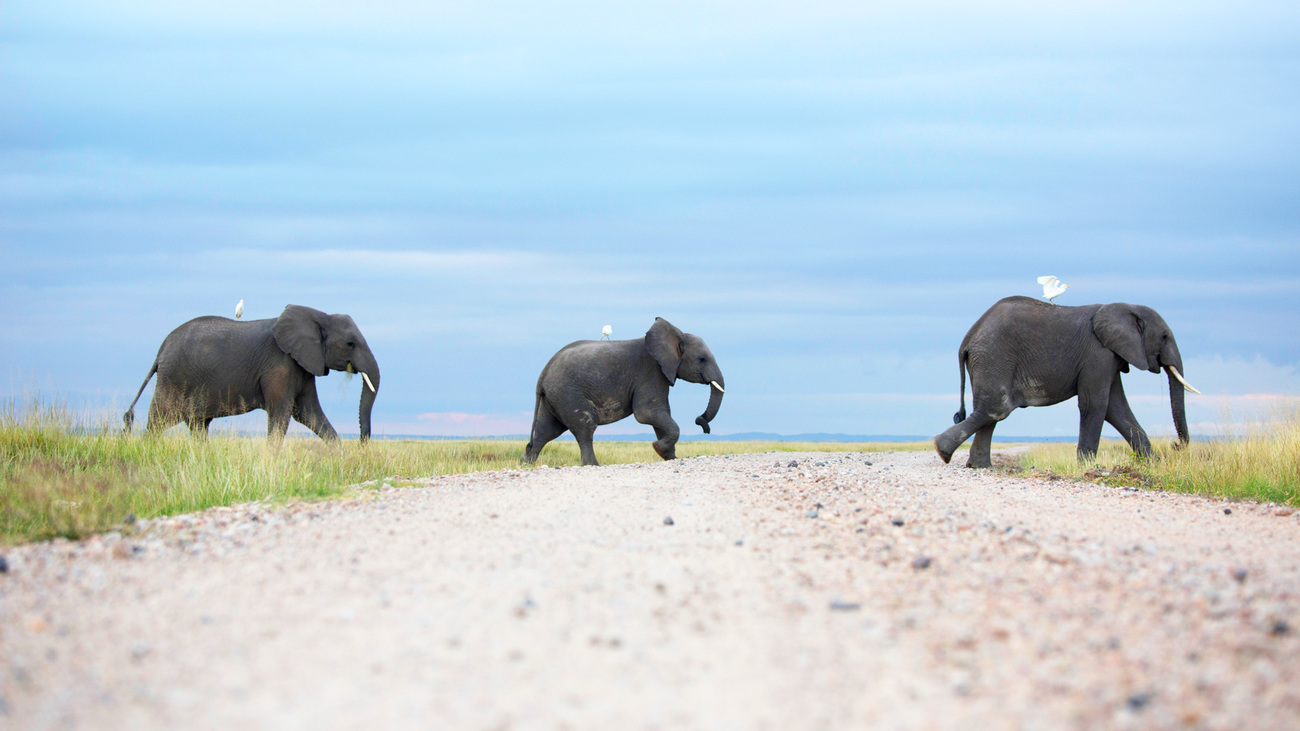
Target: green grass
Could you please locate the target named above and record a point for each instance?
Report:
(61, 476)
(1259, 462)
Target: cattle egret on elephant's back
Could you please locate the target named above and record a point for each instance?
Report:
(239, 310)
(605, 332)
(1052, 287)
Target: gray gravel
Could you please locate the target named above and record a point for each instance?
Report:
(789, 591)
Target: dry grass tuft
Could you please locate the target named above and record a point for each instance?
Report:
(1259, 461)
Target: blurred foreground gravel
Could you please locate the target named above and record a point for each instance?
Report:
(775, 591)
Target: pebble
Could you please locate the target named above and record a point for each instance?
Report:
(793, 463)
(921, 562)
(811, 514)
(4, 565)
(668, 520)
(1239, 575)
(1280, 627)
(1138, 701)
(897, 521)
(1227, 511)
(839, 606)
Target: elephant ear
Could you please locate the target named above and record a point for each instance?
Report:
(297, 332)
(665, 345)
(1119, 327)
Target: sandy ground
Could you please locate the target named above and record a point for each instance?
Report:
(881, 590)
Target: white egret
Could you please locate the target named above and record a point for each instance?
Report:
(239, 310)
(1052, 287)
(605, 332)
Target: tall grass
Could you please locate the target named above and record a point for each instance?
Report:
(63, 476)
(1259, 460)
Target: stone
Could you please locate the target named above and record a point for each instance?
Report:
(921, 563)
(668, 520)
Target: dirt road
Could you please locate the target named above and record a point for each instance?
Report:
(744, 592)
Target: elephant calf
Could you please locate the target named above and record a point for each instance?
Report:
(1025, 352)
(214, 366)
(594, 382)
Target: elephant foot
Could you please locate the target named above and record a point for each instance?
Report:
(975, 464)
(669, 452)
(945, 456)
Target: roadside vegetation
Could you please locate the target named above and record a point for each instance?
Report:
(1259, 461)
(63, 476)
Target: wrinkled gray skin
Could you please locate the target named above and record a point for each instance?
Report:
(1026, 352)
(594, 382)
(214, 366)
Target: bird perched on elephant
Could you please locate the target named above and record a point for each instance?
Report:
(1026, 352)
(595, 382)
(214, 366)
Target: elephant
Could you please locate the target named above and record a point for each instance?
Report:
(594, 382)
(214, 366)
(1025, 352)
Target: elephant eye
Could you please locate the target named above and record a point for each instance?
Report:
(352, 344)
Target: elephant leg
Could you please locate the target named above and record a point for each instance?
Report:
(198, 426)
(1092, 415)
(981, 450)
(666, 430)
(545, 429)
(307, 411)
(665, 444)
(1120, 416)
(161, 418)
(277, 423)
(585, 435)
(982, 417)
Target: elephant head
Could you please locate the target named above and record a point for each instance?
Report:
(685, 356)
(1140, 337)
(321, 343)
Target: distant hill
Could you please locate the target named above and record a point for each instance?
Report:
(742, 437)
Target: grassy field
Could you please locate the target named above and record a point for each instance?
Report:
(1259, 462)
(59, 477)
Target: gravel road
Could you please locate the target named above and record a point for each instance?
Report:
(769, 591)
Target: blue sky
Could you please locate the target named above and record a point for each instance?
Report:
(829, 194)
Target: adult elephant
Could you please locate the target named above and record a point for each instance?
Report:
(1025, 352)
(214, 366)
(594, 382)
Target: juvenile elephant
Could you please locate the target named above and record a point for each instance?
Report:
(1025, 352)
(594, 382)
(213, 366)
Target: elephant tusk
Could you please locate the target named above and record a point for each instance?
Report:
(366, 378)
(1174, 372)
(715, 385)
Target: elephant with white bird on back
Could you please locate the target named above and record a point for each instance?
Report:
(1026, 352)
(212, 367)
(594, 382)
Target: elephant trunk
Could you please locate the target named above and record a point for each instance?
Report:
(369, 390)
(1172, 361)
(1177, 401)
(716, 388)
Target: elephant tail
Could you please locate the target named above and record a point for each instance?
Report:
(960, 416)
(129, 417)
(532, 430)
